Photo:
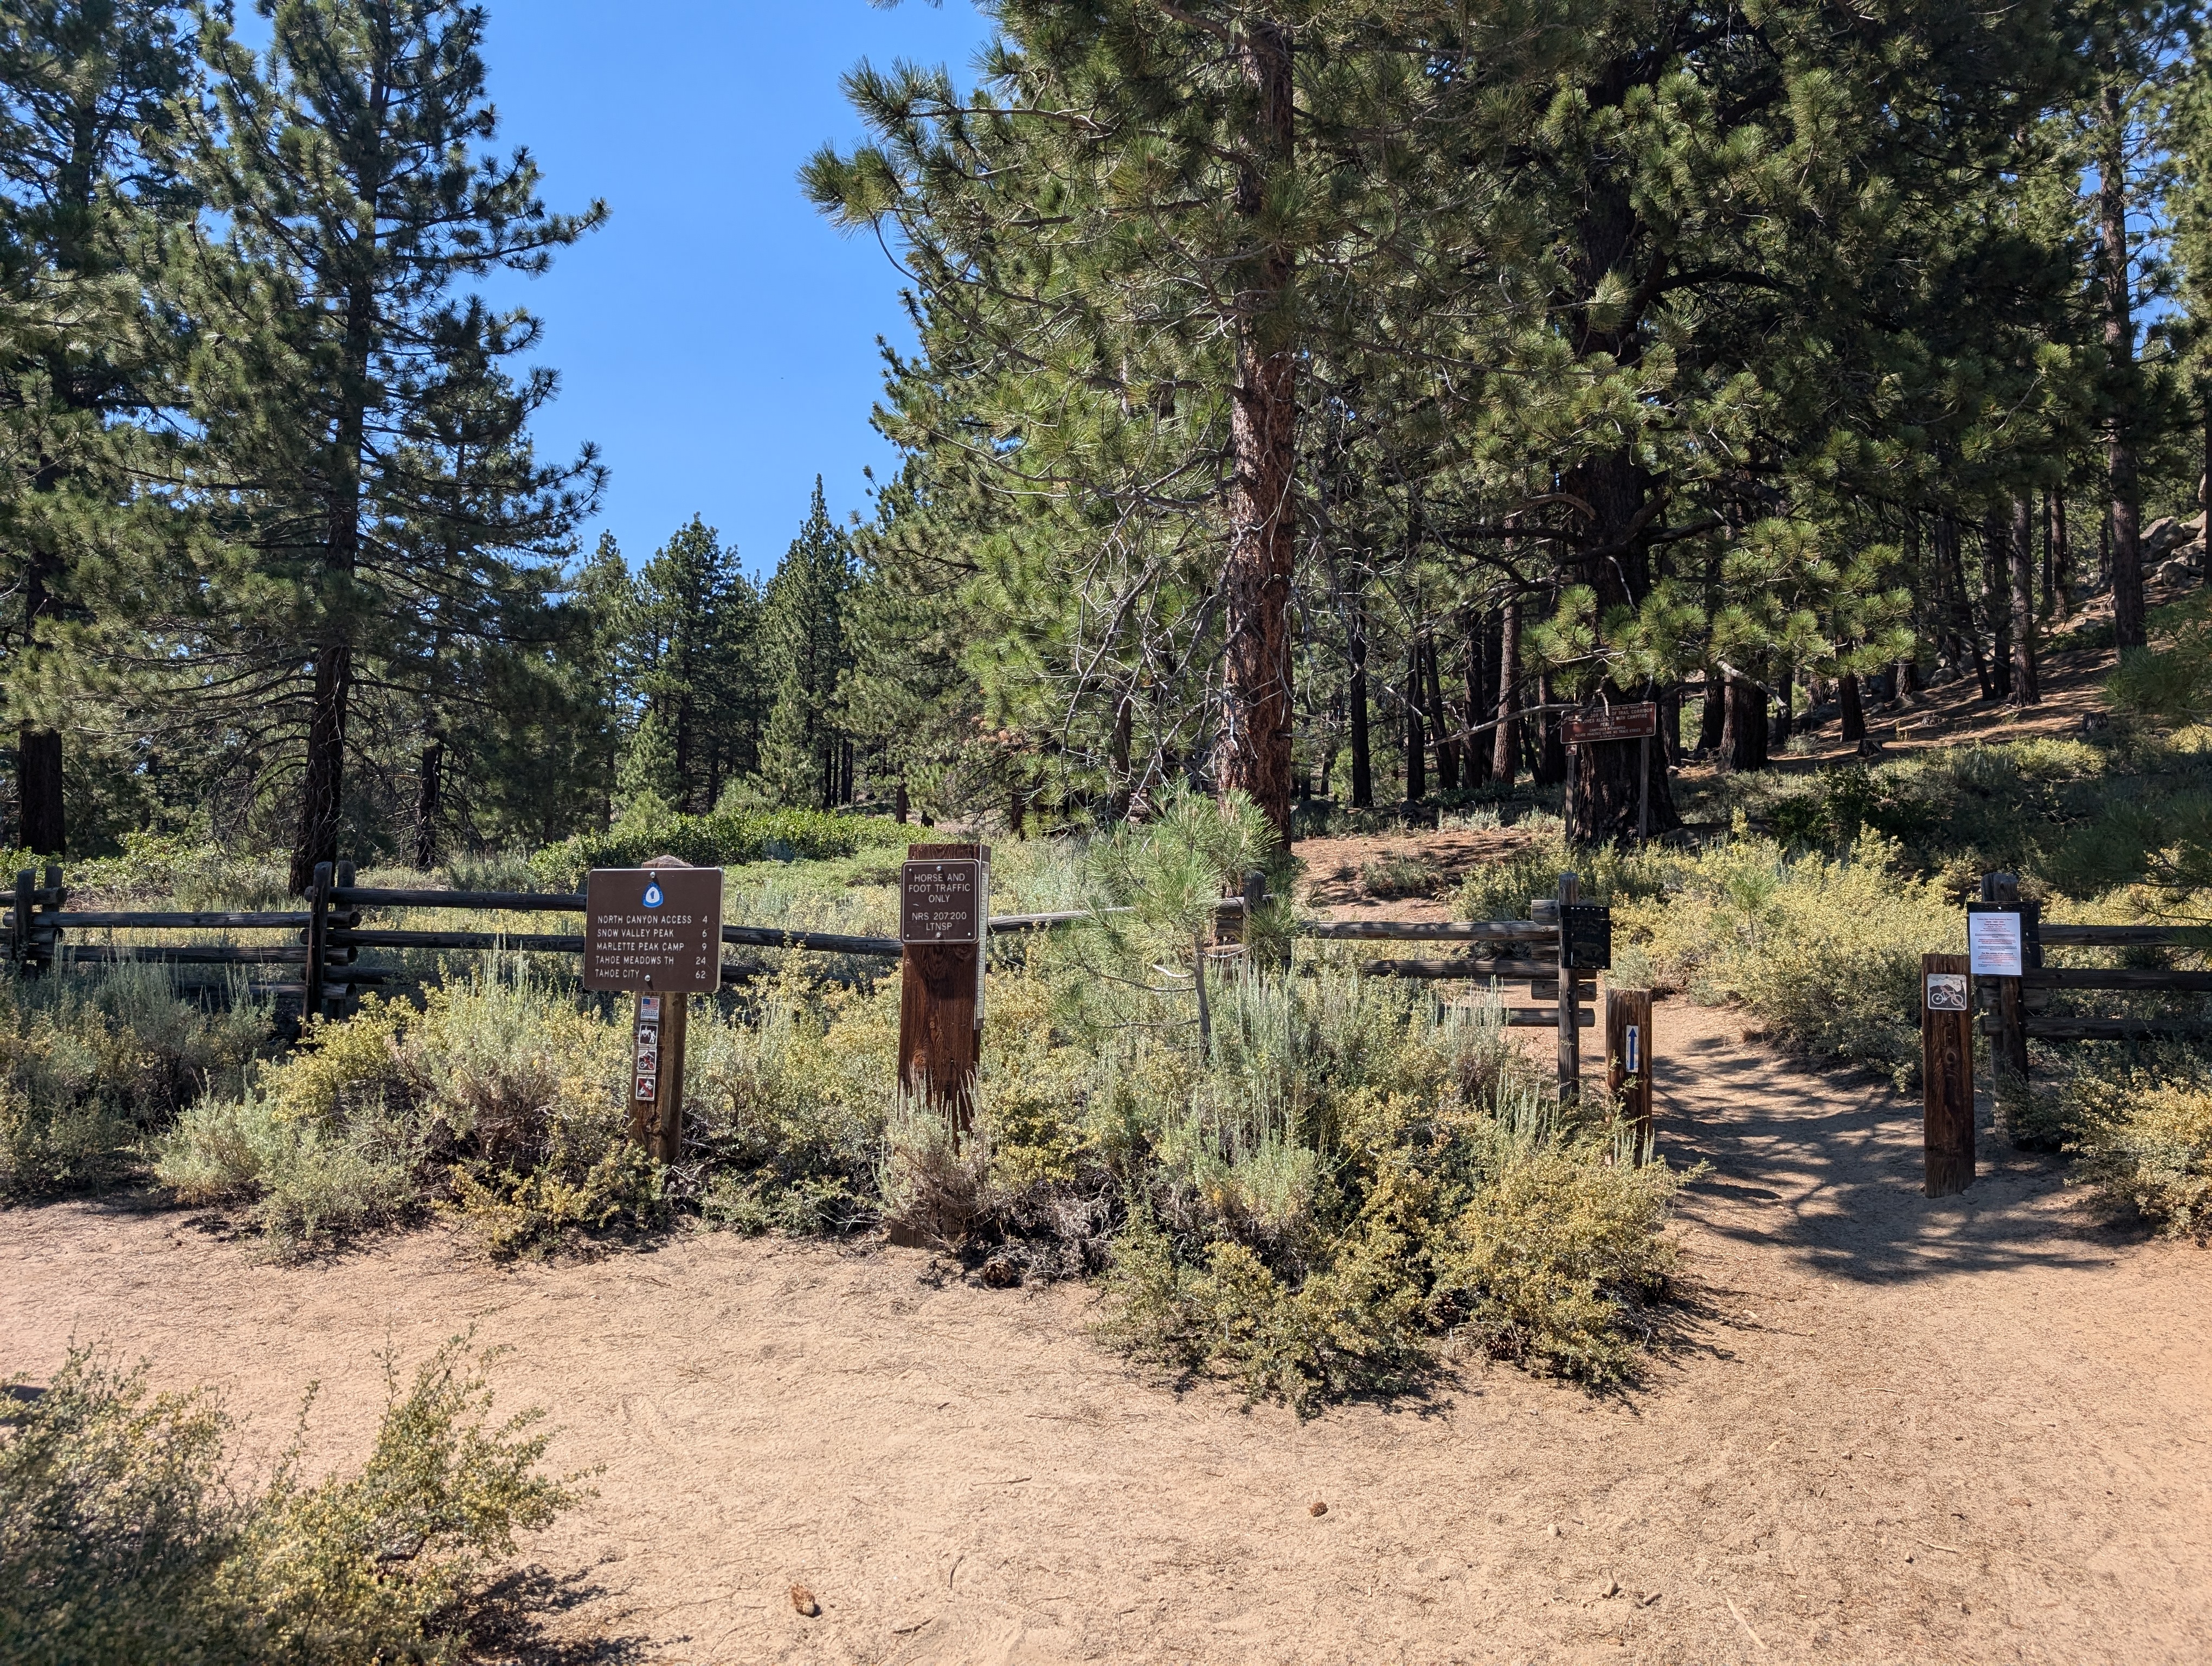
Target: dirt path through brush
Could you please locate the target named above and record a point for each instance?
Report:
(1890, 1431)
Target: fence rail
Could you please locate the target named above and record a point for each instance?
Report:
(327, 937)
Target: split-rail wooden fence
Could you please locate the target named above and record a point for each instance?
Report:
(314, 950)
(2014, 1010)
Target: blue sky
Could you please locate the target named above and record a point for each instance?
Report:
(717, 337)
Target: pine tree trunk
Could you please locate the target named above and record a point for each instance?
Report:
(1440, 721)
(1253, 749)
(430, 788)
(2127, 622)
(1712, 713)
(901, 808)
(1476, 753)
(1551, 748)
(1363, 758)
(1908, 679)
(1854, 714)
(2062, 559)
(38, 780)
(1996, 599)
(2024, 688)
(1416, 785)
(44, 812)
(1744, 730)
(1504, 756)
(1125, 719)
(1779, 733)
(1670, 725)
(322, 791)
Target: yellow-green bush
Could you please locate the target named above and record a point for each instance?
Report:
(2144, 1141)
(1825, 951)
(127, 1537)
(92, 1063)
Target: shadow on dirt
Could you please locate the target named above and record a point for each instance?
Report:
(1831, 1169)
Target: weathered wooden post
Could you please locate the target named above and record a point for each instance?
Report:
(1946, 1073)
(1570, 1044)
(1628, 1059)
(319, 942)
(2002, 944)
(27, 893)
(655, 932)
(944, 912)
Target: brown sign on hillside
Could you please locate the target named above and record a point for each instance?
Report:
(656, 928)
(1638, 722)
(941, 901)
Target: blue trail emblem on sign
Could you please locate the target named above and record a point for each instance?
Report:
(653, 897)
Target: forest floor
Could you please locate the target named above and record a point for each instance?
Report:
(1878, 1429)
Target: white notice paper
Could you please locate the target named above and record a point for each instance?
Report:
(1993, 945)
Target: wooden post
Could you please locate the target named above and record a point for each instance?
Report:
(345, 1003)
(940, 1012)
(1628, 1059)
(1946, 1073)
(27, 892)
(1643, 790)
(2008, 1056)
(319, 942)
(1570, 1044)
(658, 1123)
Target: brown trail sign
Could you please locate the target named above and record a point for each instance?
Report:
(1639, 722)
(655, 932)
(945, 908)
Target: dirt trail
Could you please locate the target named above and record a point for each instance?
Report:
(1889, 1431)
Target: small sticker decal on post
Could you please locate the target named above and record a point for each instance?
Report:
(1993, 945)
(1635, 1049)
(648, 1009)
(1947, 991)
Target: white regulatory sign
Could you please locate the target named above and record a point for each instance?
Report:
(1947, 992)
(1993, 945)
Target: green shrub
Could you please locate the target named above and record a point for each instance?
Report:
(1402, 874)
(94, 1062)
(1603, 873)
(2144, 1139)
(1825, 953)
(126, 1537)
(720, 839)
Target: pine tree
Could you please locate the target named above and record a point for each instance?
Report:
(363, 447)
(85, 93)
(804, 754)
(694, 626)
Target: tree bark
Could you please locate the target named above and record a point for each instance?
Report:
(1253, 749)
(1505, 755)
(1477, 751)
(1362, 760)
(2024, 689)
(1416, 785)
(322, 791)
(1778, 731)
(1996, 599)
(1551, 748)
(1743, 743)
(1440, 721)
(429, 792)
(2128, 622)
(1854, 714)
(1712, 713)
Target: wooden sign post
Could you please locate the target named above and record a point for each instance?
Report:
(1638, 722)
(944, 914)
(1946, 1073)
(655, 932)
(1628, 1059)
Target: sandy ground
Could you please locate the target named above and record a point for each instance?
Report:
(1886, 1430)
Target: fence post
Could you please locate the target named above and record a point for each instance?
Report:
(1570, 1044)
(319, 943)
(1946, 1073)
(2008, 1056)
(346, 1002)
(1628, 1059)
(26, 890)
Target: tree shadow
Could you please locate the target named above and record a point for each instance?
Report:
(516, 1621)
(1830, 1170)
